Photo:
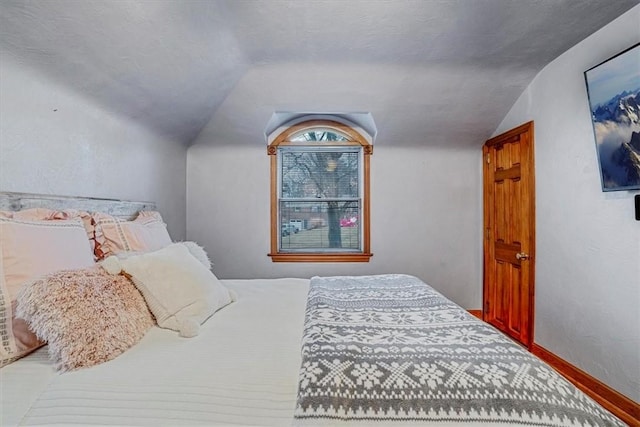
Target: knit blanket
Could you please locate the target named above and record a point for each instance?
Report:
(391, 349)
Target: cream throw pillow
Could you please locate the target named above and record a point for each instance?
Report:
(180, 291)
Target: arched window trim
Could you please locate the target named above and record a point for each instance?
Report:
(354, 139)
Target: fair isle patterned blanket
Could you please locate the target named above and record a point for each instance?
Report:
(391, 349)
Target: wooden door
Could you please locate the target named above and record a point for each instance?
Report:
(509, 232)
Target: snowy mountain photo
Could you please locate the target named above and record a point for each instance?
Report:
(614, 98)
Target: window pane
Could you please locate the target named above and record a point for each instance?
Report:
(318, 135)
(320, 225)
(319, 174)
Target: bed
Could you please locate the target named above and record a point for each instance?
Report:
(238, 371)
(325, 351)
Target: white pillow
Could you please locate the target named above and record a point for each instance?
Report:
(199, 253)
(180, 291)
(195, 249)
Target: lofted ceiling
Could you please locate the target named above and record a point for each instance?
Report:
(432, 72)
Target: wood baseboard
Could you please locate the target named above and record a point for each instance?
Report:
(477, 313)
(619, 405)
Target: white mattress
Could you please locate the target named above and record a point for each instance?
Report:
(242, 369)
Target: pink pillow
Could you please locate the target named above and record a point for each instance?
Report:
(41, 214)
(147, 232)
(31, 247)
(87, 316)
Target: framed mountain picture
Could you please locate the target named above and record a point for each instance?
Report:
(614, 100)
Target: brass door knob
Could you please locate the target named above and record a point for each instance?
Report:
(521, 256)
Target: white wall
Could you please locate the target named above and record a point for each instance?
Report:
(56, 141)
(588, 242)
(425, 216)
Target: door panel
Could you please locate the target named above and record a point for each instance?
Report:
(515, 308)
(509, 221)
(500, 296)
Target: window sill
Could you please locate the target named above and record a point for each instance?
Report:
(320, 257)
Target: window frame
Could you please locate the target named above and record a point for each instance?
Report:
(354, 138)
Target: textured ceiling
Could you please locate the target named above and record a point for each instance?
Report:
(432, 72)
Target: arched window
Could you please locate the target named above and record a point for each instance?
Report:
(320, 194)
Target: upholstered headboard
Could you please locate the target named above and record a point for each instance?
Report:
(118, 208)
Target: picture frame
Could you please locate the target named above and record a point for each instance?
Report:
(613, 90)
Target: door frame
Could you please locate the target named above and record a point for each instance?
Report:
(529, 246)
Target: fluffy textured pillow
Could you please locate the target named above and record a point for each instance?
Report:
(180, 291)
(147, 232)
(87, 316)
(199, 253)
(30, 248)
(195, 249)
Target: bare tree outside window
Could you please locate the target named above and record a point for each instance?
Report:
(328, 181)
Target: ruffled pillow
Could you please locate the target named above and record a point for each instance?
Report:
(113, 235)
(87, 316)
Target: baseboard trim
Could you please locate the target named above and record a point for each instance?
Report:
(477, 313)
(621, 406)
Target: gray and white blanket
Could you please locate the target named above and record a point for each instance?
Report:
(391, 349)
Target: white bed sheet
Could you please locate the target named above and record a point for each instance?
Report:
(241, 370)
(21, 383)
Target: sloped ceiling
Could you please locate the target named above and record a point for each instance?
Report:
(432, 72)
